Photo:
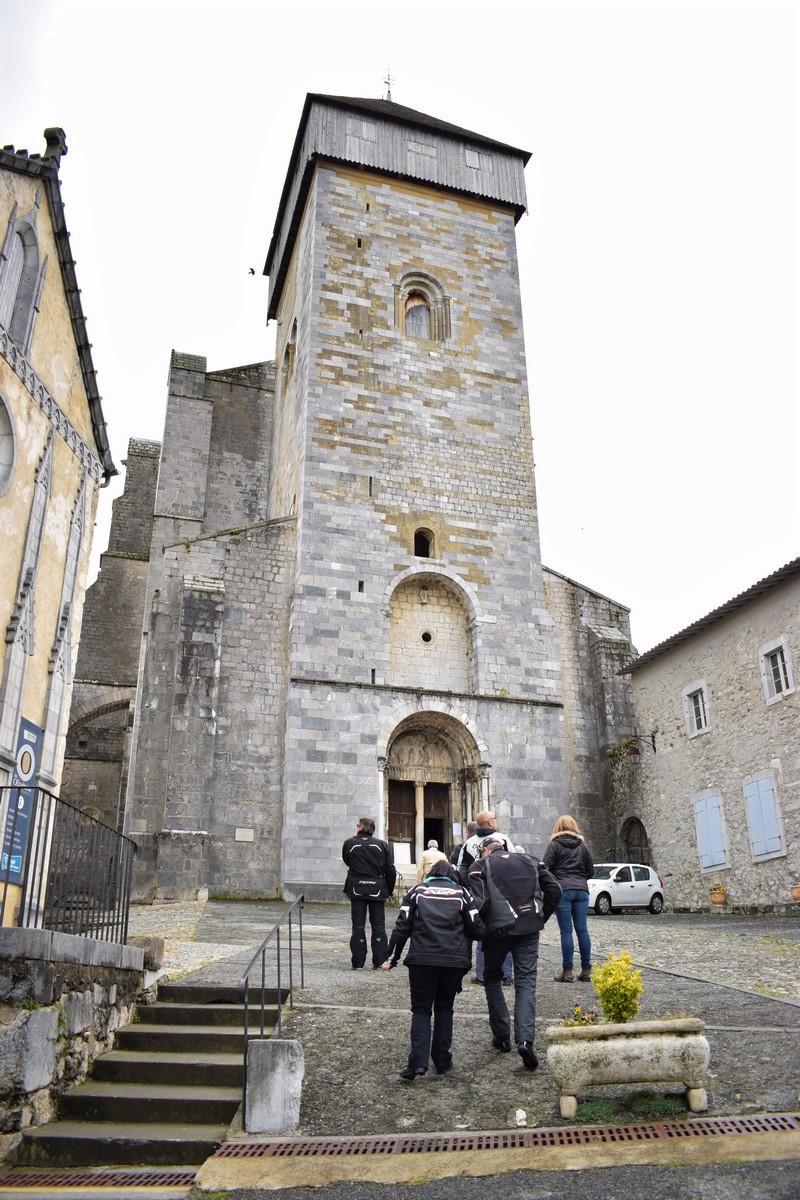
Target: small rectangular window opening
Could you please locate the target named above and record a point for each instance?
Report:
(359, 243)
(373, 674)
(777, 667)
(370, 485)
(361, 585)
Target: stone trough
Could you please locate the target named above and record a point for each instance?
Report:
(661, 1051)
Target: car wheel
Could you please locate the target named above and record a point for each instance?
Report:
(602, 905)
(656, 904)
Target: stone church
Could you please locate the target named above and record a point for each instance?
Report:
(323, 595)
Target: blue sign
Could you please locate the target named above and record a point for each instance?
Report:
(21, 801)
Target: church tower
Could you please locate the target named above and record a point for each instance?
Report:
(345, 611)
(424, 678)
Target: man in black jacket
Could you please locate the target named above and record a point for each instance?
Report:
(514, 898)
(370, 881)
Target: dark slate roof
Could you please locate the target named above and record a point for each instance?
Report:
(410, 116)
(784, 573)
(45, 167)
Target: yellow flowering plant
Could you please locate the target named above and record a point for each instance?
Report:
(618, 986)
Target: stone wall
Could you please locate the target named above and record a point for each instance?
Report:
(106, 670)
(205, 793)
(746, 736)
(594, 643)
(62, 999)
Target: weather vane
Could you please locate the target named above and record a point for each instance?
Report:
(388, 82)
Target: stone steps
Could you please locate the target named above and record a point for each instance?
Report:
(167, 1093)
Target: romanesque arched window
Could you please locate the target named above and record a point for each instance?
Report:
(422, 308)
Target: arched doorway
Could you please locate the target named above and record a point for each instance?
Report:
(435, 784)
(635, 843)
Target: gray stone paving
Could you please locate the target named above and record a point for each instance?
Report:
(759, 954)
(739, 974)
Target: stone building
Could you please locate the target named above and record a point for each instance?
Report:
(346, 611)
(54, 457)
(97, 753)
(720, 797)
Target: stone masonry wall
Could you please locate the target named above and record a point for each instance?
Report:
(746, 736)
(430, 642)
(403, 433)
(63, 999)
(594, 643)
(205, 785)
(107, 665)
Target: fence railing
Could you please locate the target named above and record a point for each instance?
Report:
(271, 943)
(62, 870)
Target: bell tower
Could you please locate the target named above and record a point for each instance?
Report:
(424, 679)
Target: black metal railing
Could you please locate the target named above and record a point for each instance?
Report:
(272, 942)
(62, 870)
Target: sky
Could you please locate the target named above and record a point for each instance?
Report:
(659, 259)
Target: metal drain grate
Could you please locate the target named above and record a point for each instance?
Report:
(22, 1177)
(523, 1139)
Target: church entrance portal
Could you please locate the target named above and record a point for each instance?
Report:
(434, 785)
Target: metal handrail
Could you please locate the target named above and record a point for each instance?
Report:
(261, 954)
(61, 869)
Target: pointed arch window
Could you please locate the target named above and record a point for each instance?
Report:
(20, 630)
(21, 278)
(422, 307)
(61, 652)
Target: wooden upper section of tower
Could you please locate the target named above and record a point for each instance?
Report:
(389, 139)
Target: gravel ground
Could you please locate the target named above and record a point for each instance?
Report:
(740, 974)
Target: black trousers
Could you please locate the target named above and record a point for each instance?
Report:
(433, 990)
(359, 908)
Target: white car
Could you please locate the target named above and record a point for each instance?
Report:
(625, 885)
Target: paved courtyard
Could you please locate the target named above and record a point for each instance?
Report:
(740, 974)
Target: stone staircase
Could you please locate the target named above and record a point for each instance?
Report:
(165, 1095)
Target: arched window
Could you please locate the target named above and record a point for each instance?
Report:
(422, 309)
(7, 447)
(637, 846)
(418, 316)
(423, 543)
(21, 279)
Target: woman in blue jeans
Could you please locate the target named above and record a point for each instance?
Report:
(568, 859)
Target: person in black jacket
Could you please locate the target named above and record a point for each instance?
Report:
(514, 898)
(371, 876)
(571, 864)
(440, 918)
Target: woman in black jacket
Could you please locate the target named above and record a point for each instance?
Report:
(440, 918)
(571, 863)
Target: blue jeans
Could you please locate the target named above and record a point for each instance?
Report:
(525, 953)
(572, 909)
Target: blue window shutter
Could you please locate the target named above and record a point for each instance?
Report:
(762, 815)
(708, 816)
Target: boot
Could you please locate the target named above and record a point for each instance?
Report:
(585, 975)
(564, 977)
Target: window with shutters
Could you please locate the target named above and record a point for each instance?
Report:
(695, 708)
(777, 677)
(710, 825)
(763, 816)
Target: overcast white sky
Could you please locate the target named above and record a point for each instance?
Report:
(659, 260)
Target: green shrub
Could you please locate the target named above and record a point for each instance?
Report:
(618, 987)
